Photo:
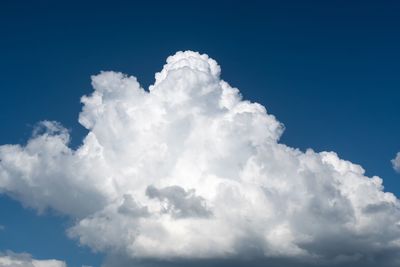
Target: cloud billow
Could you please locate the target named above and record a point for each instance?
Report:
(189, 171)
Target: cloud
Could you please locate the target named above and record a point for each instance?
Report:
(10, 259)
(396, 162)
(188, 171)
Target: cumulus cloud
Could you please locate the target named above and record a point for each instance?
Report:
(396, 162)
(10, 259)
(189, 171)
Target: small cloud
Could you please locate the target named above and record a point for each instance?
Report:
(396, 162)
(2, 227)
(11, 259)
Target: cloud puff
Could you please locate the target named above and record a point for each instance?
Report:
(188, 170)
(10, 259)
(396, 162)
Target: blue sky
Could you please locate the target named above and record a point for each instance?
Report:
(329, 70)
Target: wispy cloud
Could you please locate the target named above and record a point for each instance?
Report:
(396, 162)
(11, 259)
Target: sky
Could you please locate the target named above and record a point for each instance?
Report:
(327, 70)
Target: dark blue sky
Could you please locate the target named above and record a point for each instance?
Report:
(329, 70)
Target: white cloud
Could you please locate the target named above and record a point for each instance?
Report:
(396, 162)
(189, 170)
(10, 259)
